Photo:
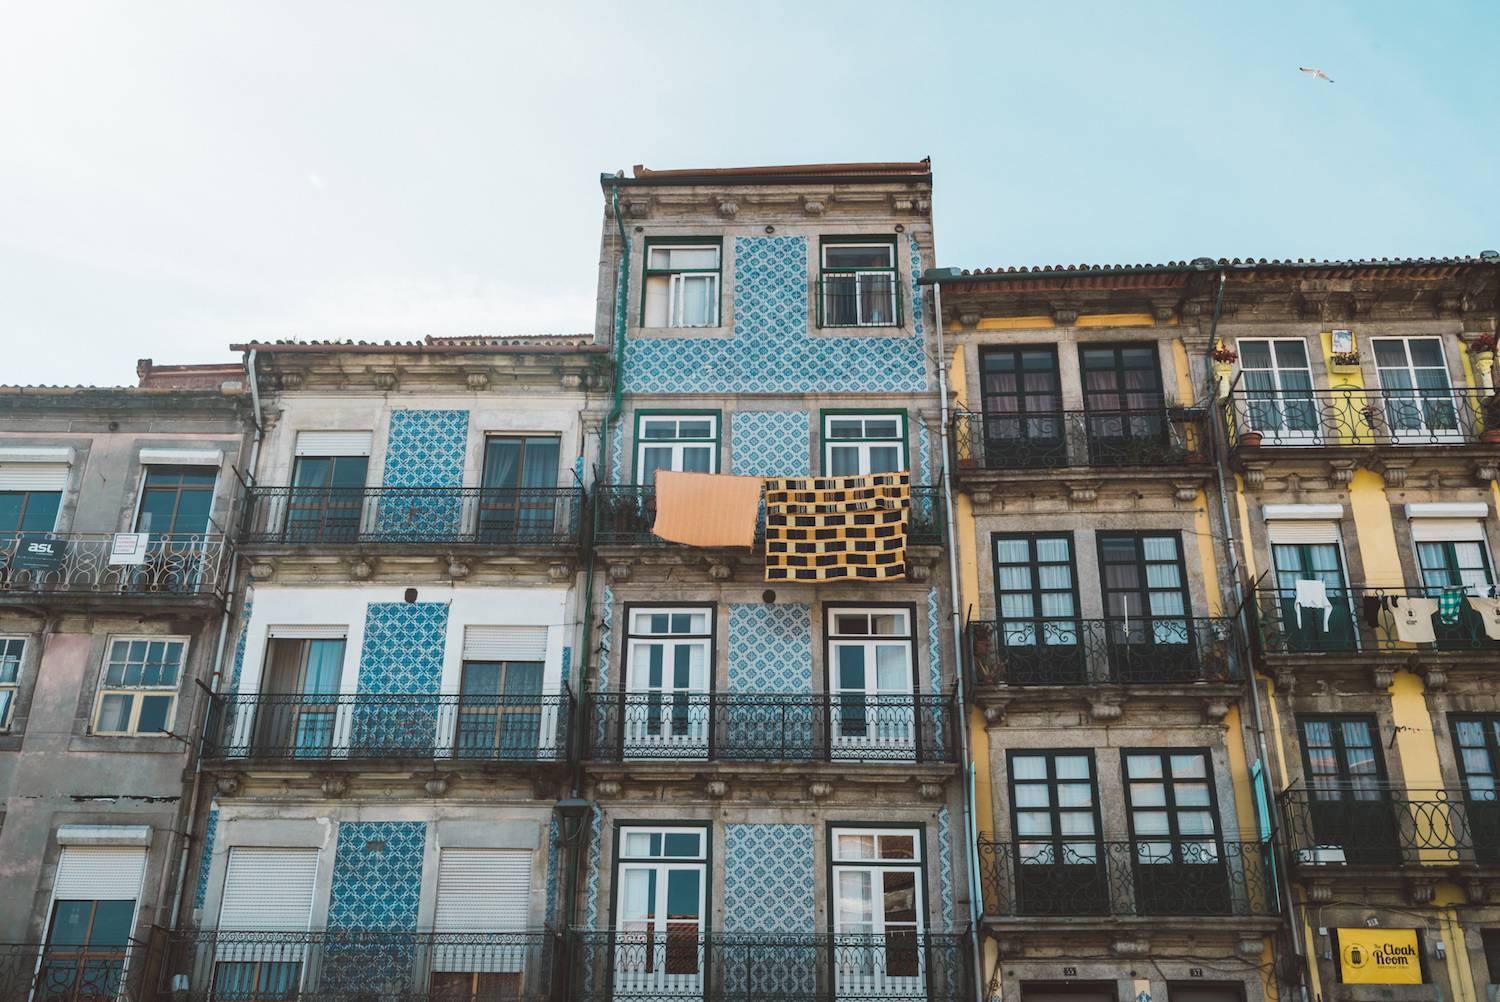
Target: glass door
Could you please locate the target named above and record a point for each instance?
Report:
(1309, 628)
(872, 699)
(658, 943)
(1125, 408)
(1023, 415)
(1148, 628)
(666, 702)
(1278, 393)
(299, 698)
(1036, 593)
(1350, 804)
(327, 499)
(1176, 852)
(1419, 404)
(1059, 862)
(500, 710)
(877, 924)
(175, 506)
(518, 499)
(1456, 565)
(1477, 741)
(88, 944)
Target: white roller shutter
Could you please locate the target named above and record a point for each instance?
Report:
(505, 643)
(308, 632)
(33, 476)
(269, 889)
(1437, 530)
(99, 873)
(1302, 531)
(333, 443)
(182, 457)
(483, 890)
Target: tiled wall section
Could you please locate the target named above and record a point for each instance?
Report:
(377, 875)
(768, 870)
(770, 443)
(772, 350)
(945, 865)
(205, 860)
(403, 647)
(426, 449)
(770, 647)
(239, 645)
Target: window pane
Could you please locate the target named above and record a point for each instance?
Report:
(1143, 766)
(888, 624)
(846, 428)
(1072, 767)
(856, 901)
(898, 847)
(154, 711)
(885, 459)
(637, 844)
(112, 923)
(695, 428)
(693, 257)
(856, 846)
(890, 668)
(114, 712)
(1028, 767)
(856, 256)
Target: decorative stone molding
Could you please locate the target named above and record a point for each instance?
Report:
(458, 570)
(1434, 679)
(1255, 475)
(1341, 472)
(1106, 708)
(1163, 312)
(819, 790)
(1393, 472)
(1421, 891)
(1064, 317)
(361, 570)
(1130, 947)
(1215, 710)
(227, 784)
(638, 208)
(607, 788)
(1185, 490)
(918, 572)
(477, 381)
(1487, 470)
(1286, 680)
(1320, 892)
(1382, 678)
(719, 570)
(572, 380)
(931, 791)
(619, 572)
(994, 714)
(262, 572)
(334, 787)
(1083, 491)
(728, 208)
(559, 572)
(814, 206)
(983, 497)
(1476, 890)
(717, 788)
(970, 318)
(385, 379)
(292, 380)
(436, 787)
(1250, 948)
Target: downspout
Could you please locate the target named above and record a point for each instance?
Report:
(970, 832)
(218, 667)
(1220, 446)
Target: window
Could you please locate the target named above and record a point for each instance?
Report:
(265, 891)
(518, 500)
(28, 511)
(138, 693)
(1476, 745)
(1149, 627)
(1490, 938)
(877, 879)
(668, 653)
(871, 682)
(327, 497)
(1418, 399)
(685, 443)
(858, 285)
(299, 701)
(31, 491)
(176, 500)
(11, 651)
(1348, 805)
(88, 943)
(1122, 398)
(1278, 386)
(1021, 391)
(485, 891)
(1180, 866)
(1055, 818)
(1036, 597)
(859, 444)
(663, 877)
(682, 284)
(500, 709)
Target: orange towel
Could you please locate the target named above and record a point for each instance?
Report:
(707, 509)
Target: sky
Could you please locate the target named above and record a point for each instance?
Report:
(177, 176)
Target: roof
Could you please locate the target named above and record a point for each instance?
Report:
(1105, 273)
(188, 377)
(849, 173)
(519, 344)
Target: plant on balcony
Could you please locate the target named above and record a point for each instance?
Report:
(1345, 361)
(1482, 344)
(1225, 355)
(1250, 439)
(1371, 414)
(1490, 410)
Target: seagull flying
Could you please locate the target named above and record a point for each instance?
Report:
(1315, 74)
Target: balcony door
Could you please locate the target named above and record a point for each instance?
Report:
(1476, 743)
(1040, 638)
(872, 690)
(1305, 552)
(1124, 406)
(518, 499)
(1059, 858)
(327, 499)
(1278, 391)
(1177, 855)
(1149, 628)
(1349, 802)
(877, 921)
(665, 703)
(499, 709)
(659, 920)
(298, 711)
(1416, 395)
(1021, 391)
(1452, 554)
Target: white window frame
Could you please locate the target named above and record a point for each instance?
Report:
(1416, 436)
(677, 281)
(1284, 435)
(666, 703)
(12, 688)
(865, 442)
(825, 272)
(137, 693)
(862, 971)
(888, 729)
(677, 445)
(640, 969)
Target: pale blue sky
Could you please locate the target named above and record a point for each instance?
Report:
(177, 175)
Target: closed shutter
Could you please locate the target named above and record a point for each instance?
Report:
(33, 476)
(1439, 530)
(333, 443)
(505, 643)
(269, 889)
(483, 890)
(308, 632)
(99, 873)
(1303, 531)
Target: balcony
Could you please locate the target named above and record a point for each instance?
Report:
(1099, 440)
(348, 966)
(175, 568)
(1076, 652)
(770, 727)
(1355, 418)
(323, 729)
(527, 517)
(1362, 621)
(624, 515)
(733, 967)
(1127, 879)
(95, 973)
(1335, 824)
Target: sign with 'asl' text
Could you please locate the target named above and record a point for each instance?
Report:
(1379, 957)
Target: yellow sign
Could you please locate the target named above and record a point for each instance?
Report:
(1379, 957)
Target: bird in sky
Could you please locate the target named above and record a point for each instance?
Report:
(1315, 74)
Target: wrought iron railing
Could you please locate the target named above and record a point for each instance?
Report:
(96, 973)
(475, 516)
(178, 566)
(1361, 618)
(624, 515)
(1044, 440)
(220, 965)
(1066, 877)
(1096, 651)
(859, 299)
(311, 728)
(771, 727)
(1357, 417)
(1376, 824)
(682, 962)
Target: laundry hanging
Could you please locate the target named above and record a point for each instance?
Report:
(837, 528)
(1450, 603)
(1489, 614)
(1414, 619)
(706, 509)
(1313, 594)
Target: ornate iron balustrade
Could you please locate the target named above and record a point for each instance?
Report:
(624, 515)
(1356, 417)
(771, 727)
(334, 727)
(1046, 440)
(860, 299)
(96, 973)
(1141, 877)
(472, 516)
(178, 566)
(682, 962)
(1375, 824)
(1161, 650)
(1361, 618)
(218, 965)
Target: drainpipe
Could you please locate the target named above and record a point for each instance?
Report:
(1220, 446)
(970, 832)
(218, 668)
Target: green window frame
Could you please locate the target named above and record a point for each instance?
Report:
(859, 282)
(671, 290)
(862, 446)
(647, 421)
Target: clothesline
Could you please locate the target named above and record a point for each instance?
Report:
(1411, 614)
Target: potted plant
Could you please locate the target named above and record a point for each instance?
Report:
(1482, 351)
(1490, 415)
(1250, 439)
(1224, 358)
(1346, 362)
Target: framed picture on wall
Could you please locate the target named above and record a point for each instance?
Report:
(1343, 341)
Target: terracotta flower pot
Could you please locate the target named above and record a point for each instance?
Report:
(1250, 439)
